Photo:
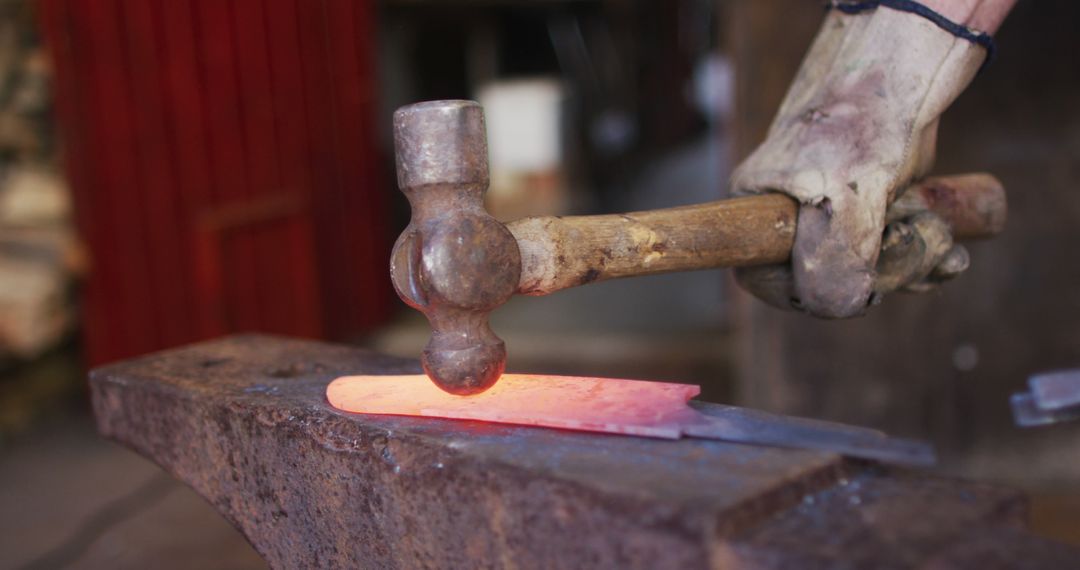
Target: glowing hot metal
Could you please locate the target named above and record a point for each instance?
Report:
(608, 405)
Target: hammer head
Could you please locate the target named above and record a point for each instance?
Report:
(454, 262)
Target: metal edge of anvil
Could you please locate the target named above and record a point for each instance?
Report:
(140, 378)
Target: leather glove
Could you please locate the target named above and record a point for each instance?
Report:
(858, 125)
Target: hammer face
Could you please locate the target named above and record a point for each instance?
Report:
(465, 371)
(441, 142)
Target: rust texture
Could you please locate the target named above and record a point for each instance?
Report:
(944, 525)
(244, 421)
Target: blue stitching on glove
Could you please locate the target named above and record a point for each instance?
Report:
(963, 32)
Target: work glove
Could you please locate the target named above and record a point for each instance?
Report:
(857, 126)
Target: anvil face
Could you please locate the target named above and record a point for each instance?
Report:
(607, 405)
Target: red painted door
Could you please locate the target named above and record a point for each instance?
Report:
(223, 165)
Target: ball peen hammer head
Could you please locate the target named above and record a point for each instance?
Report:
(454, 262)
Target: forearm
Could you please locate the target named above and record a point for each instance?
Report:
(983, 15)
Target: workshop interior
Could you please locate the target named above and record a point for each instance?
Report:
(219, 221)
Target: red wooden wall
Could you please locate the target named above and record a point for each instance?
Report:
(222, 159)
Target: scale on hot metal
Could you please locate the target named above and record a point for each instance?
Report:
(456, 264)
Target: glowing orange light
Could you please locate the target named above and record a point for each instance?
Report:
(609, 405)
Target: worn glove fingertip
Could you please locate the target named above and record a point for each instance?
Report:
(955, 262)
(833, 278)
(921, 287)
(837, 296)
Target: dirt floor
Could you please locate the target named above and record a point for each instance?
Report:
(73, 500)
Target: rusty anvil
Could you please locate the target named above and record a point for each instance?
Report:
(455, 263)
(244, 421)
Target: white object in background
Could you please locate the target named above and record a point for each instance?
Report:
(525, 151)
(714, 87)
(523, 119)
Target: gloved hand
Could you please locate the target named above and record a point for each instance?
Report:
(857, 126)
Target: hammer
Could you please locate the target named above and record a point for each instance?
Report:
(455, 263)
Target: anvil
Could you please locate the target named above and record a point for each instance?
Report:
(244, 421)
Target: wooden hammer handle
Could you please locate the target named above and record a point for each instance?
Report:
(562, 252)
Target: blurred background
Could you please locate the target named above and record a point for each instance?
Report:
(172, 171)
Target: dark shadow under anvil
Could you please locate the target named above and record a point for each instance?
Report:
(244, 421)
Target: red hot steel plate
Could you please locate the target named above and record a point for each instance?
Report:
(609, 405)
